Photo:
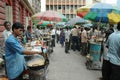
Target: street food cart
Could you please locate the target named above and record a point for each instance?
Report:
(37, 64)
(48, 40)
(37, 67)
(92, 59)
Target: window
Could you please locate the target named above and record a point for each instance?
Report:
(8, 13)
(59, 7)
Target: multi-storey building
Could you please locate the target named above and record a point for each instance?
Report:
(17, 11)
(66, 7)
(36, 5)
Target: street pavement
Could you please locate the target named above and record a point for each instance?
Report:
(69, 66)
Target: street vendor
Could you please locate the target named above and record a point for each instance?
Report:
(14, 54)
(28, 33)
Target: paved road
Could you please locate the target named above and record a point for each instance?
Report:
(69, 66)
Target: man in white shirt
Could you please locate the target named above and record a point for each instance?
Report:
(57, 34)
(7, 30)
(37, 32)
(84, 39)
(75, 34)
(53, 33)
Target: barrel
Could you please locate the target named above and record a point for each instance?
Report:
(95, 49)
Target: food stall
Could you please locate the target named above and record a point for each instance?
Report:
(92, 59)
(37, 64)
(46, 37)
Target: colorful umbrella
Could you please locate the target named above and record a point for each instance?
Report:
(97, 12)
(45, 23)
(114, 18)
(60, 23)
(49, 16)
(75, 20)
(88, 25)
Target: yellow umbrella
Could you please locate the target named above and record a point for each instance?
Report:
(113, 18)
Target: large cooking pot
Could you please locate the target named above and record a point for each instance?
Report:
(36, 62)
(36, 67)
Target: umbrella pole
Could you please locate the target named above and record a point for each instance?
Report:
(98, 25)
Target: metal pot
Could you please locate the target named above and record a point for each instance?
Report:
(36, 67)
(35, 63)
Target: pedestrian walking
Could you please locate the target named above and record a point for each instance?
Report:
(58, 35)
(62, 37)
(67, 39)
(84, 39)
(53, 33)
(75, 34)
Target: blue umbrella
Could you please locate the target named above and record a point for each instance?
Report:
(75, 20)
(102, 9)
(97, 12)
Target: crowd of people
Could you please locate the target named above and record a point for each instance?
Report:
(77, 38)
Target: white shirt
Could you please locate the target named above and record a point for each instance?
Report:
(67, 34)
(84, 36)
(5, 34)
(37, 32)
(53, 32)
(58, 32)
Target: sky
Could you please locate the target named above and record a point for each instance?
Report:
(110, 1)
(118, 3)
(105, 1)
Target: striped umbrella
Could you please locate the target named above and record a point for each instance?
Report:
(49, 16)
(75, 20)
(99, 12)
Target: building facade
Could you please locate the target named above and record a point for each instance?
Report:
(66, 7)
(15, 11)
(36, 5)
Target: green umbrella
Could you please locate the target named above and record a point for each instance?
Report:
(99, 12)
(64, 19)
(44, 23)
(91, 15)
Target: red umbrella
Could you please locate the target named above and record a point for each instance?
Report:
(49, 16)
